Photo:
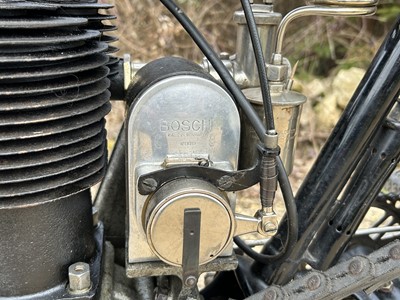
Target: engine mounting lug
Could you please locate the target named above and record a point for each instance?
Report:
(79, 278)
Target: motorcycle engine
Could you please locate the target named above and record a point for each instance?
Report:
(180, 118)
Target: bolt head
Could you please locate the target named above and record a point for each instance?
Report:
(387, 287)
(395, 252)
(269, 223)
(270, 295)
(191, 281)
(314, 282)
(355, 267)
(270, 228)
(79, 278)
(149, 185)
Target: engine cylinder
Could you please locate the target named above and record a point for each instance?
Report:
(53, 99)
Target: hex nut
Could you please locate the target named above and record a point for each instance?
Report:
(277, 73)
(387, 287)
(268, 223)
(79, 278)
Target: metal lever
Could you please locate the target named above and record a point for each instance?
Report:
(265, 223)
(191, 246)
(343, 3)
(345, 8)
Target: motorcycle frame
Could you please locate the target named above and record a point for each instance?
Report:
(344, 154)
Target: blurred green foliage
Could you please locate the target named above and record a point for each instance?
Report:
(389, 12)
(320, 44)
(327, 44)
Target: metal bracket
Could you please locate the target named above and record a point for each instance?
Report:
(264, 223)
(191, 246)
(224, 180)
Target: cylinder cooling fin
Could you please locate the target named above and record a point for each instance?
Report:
(54, 69)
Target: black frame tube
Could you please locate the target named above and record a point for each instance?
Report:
(350, 138)
(374, 169)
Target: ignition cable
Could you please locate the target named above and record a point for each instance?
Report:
(262, 70)
(267, 198)
(255, 121)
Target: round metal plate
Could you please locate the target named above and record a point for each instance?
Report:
(165, 223)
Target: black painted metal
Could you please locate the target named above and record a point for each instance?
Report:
(89, 11)
(224, 180)
(113, 193)
(375, 167)
(317, 196)
(191, 246)
(53, 99)
(160, 69)
(117, 81)
(39, 242)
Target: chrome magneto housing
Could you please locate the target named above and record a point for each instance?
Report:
(179, 116)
